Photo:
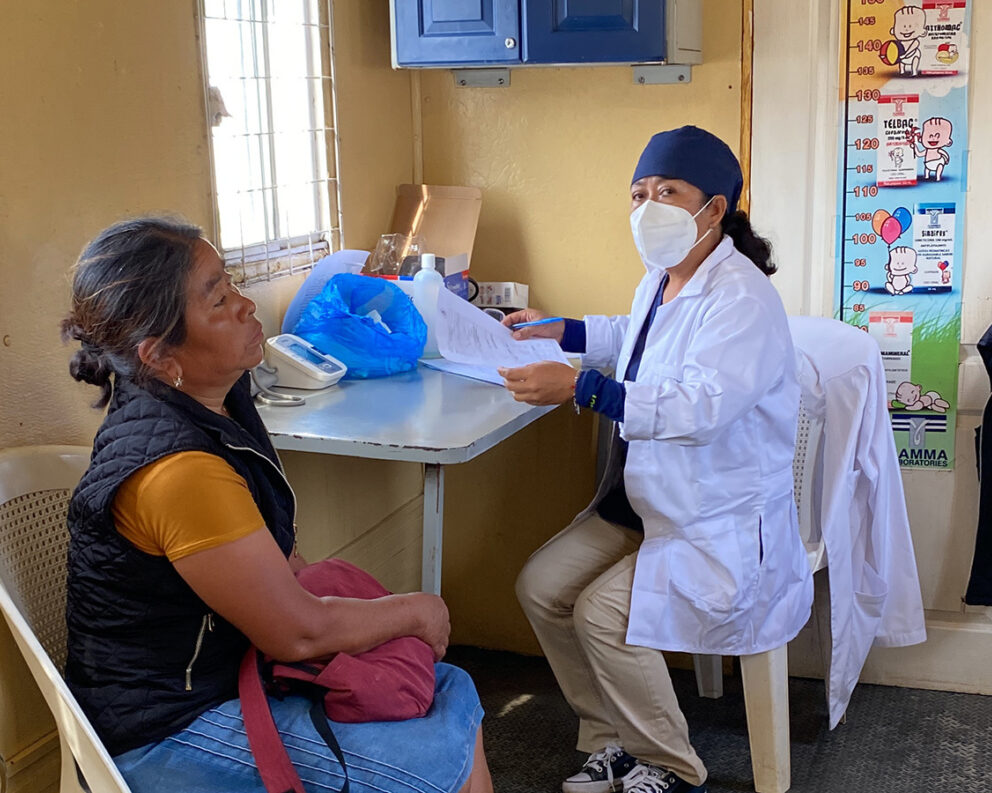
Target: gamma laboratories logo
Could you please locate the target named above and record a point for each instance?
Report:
(917, 455)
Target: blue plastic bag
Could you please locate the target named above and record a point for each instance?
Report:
(346, 261)
(337, 322)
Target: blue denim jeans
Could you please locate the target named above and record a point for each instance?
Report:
(428, 755)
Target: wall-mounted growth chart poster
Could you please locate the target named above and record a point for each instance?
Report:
(901, 206)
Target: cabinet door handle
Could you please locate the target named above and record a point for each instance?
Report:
(510, 42)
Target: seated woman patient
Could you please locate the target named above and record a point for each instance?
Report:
(183, 549)
(691, 543)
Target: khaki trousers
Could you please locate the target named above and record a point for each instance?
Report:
(575, 591)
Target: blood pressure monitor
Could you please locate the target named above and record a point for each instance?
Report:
(299, 364)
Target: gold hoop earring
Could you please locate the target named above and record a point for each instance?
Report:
(178, 382)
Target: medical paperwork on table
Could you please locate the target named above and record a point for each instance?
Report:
(474, 344)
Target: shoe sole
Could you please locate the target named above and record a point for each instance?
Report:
(592, 787)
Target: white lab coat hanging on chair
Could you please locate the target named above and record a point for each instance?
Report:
(711, 427)
(874, 585)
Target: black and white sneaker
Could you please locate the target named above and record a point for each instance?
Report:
(644, 778)
(604, 772)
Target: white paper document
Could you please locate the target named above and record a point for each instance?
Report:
(467, 335)
(486, 374)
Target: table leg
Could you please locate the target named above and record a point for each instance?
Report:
(430, 571)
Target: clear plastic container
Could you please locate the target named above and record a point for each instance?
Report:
(427, 285)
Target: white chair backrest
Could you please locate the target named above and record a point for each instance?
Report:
(36, 484)
(827, 349)
(807, 478)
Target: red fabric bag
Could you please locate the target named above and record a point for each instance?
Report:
(391, 682)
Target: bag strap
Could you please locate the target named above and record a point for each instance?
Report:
(319, 719)
(273, 763)
(274, 766)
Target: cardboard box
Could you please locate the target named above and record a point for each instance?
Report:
(445, 217)
(438, 219)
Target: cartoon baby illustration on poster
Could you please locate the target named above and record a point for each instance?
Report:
(931, 143)
(898, 269)
(913, 397)
(908, 27)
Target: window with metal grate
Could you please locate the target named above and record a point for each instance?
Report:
(270, 114)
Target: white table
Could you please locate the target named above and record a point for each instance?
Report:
(422, 416)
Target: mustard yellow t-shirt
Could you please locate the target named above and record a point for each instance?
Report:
(184, 503)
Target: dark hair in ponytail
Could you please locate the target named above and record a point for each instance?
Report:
(737, 226)
(129, 284)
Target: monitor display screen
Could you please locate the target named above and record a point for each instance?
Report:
(305, 353)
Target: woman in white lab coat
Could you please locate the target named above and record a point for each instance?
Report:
(691, 543)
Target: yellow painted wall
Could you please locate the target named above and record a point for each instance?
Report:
(554, 153)
(375, 125)
(499, 508)
(102, 118)
(111, 124)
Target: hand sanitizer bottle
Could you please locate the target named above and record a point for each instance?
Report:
(427, 285)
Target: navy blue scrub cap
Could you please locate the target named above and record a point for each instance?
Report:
(695, 156)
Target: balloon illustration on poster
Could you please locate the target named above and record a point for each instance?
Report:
(904, 217)
(890, 227)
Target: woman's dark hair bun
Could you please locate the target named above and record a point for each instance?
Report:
(88, 364)
(88, 367)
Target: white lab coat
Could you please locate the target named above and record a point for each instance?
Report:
(711, 426)
(874, 585)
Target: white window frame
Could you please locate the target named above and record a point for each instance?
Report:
(279, 253)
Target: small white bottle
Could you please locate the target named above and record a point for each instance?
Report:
(427, 285)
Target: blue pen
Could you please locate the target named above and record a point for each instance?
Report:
(546, 321)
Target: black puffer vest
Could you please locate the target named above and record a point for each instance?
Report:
(145, 654)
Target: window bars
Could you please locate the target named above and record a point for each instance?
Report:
(270, 114)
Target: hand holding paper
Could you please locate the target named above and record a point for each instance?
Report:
(467, 335)
(544, 383)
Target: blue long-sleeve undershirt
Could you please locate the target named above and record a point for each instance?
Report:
(593, 389)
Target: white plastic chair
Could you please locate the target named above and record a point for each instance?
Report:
(766, 675)
(807, 483)
(35, 486)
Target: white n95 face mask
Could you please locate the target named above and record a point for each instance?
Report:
(664, 234)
